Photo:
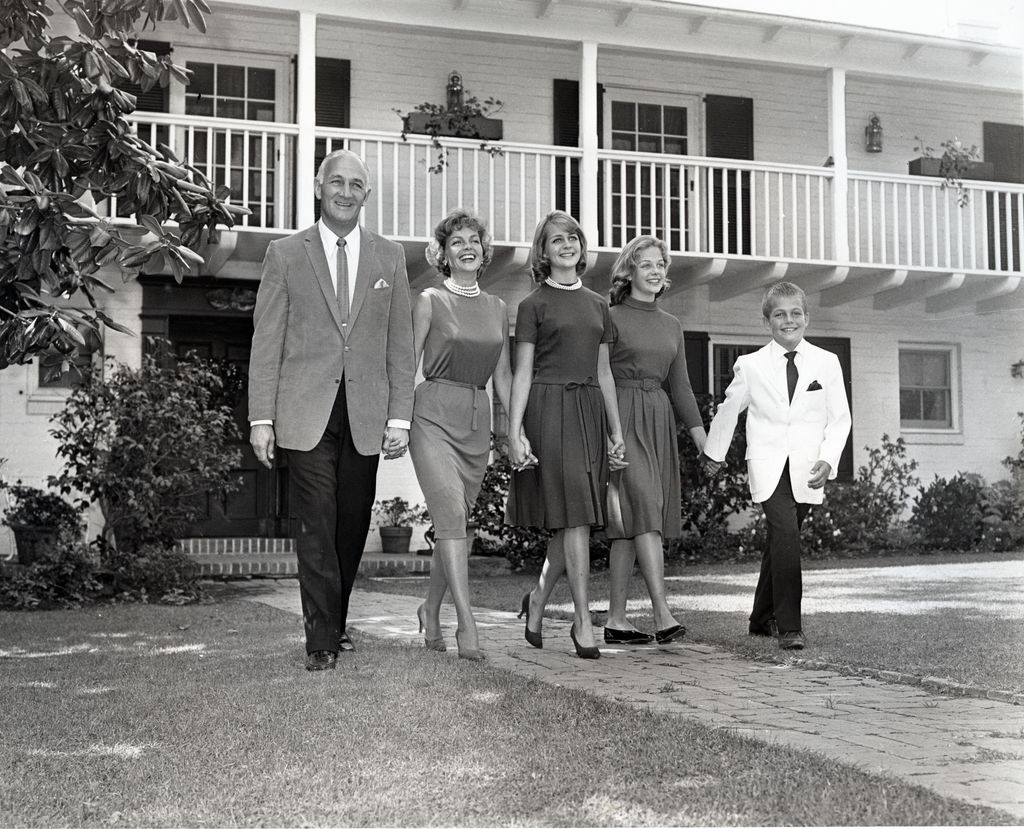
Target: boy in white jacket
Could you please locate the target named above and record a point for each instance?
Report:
(798, 420)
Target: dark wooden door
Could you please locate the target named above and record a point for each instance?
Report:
(253, 509)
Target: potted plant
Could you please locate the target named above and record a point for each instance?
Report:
(458, 117)
(957, 162)
(395, 519)
(38, 519)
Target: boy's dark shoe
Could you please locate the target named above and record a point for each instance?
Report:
(321, 660)
(791, 640)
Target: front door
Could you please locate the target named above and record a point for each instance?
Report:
(252, 510)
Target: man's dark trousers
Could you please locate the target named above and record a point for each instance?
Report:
(780, 586)
(331, 489)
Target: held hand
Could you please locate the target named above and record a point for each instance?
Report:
(819, 474)
(261, 438)
(710, 467)
(396, 441)
(520, 453)
(616, 453)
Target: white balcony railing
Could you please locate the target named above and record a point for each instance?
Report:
(698, 205)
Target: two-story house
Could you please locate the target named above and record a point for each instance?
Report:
(759, 146)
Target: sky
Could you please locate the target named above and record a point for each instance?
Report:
(998, 21)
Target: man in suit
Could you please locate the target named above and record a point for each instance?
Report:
(798, 420)
(331, 384)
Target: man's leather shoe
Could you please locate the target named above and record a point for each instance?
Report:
(321, 660)
(768, 629)
(614, 636)
(791, 640)
(345, 643)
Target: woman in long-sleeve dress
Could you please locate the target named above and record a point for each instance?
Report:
(461, 333)
(644, 498)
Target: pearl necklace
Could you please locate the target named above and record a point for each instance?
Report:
(461, 290)
(573, 286)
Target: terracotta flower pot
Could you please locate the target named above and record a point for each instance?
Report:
(395, 540)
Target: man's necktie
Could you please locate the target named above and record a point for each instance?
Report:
(791, 373)
(342, 281)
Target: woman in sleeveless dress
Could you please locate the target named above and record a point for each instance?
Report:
(644, 498)
(563, 399)
(461, 334)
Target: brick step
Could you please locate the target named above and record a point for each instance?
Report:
(214, 561)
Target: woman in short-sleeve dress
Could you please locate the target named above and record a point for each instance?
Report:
(462, 334)
(563, 397)
(644, 498)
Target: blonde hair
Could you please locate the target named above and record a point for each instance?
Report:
(539, 262)
(624, 268)
(780, 291)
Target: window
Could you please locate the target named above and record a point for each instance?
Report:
(725, 355)
(928, 398)
(649, 197)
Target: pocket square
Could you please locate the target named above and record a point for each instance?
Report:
(815, 386)
(380, 283)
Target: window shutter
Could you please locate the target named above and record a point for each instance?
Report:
(156, 98)
(1003, 145)
(566, 126)
(333, 92)
(730, 127)
(696, 345)
(333, 105)
(729, 133)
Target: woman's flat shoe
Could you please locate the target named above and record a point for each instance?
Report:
(582, 652)
(430, 644)
(535, 639)
(666, 635)
(614, 636)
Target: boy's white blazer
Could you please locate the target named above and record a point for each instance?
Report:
(813, 427)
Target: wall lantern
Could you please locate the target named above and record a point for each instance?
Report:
(873, 135)
(454, 91)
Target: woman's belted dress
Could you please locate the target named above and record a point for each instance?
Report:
(450, 437)
(565, 418)
(645, 496)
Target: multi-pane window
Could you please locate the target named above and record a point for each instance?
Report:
(725, 356)
(242, 159)
(926, 388)
(649, 198)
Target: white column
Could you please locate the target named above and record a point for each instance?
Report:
(589, 194)
(305, 107)
(837, 149)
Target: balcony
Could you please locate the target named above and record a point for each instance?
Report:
(733, 225)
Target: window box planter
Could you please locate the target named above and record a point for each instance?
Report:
(927, 166)
(454, 126)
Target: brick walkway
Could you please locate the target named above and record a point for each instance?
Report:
(971, 749)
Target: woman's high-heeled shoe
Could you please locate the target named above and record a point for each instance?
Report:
(535, 639)
(430, 644)
(474, 655)
(582, 652)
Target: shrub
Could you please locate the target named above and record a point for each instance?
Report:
(948, 514)
(149, 445)
(152, 573)
(397, 512)
(1002, 517)
(63, 577)
(856, 517)
(708, 503)
(34, 507)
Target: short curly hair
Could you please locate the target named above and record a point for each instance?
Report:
(624, 268)
(539, 262)
(458, 219)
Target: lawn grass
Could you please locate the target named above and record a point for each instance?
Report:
(953, 643)
(203, 716)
